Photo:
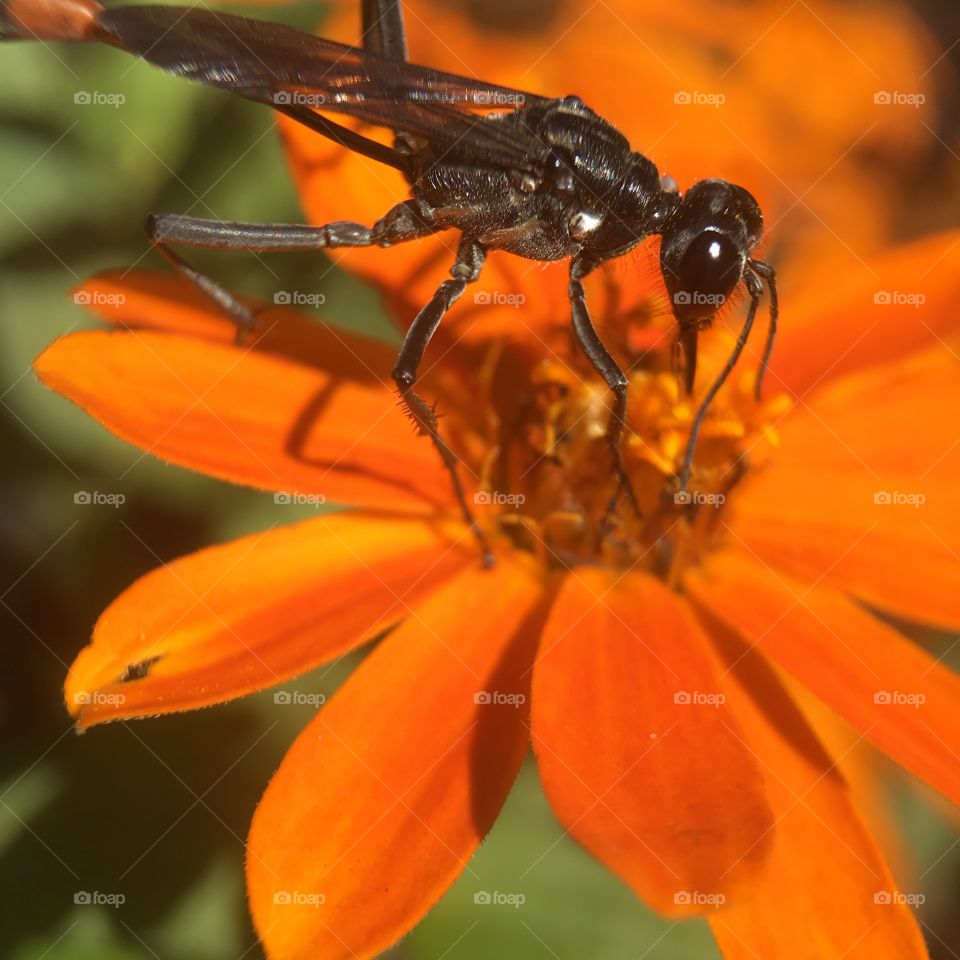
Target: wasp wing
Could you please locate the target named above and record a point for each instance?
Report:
(270, 62)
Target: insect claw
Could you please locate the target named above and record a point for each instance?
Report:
(244, 334)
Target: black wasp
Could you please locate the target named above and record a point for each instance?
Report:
(546, 179)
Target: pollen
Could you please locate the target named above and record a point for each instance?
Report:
(549, 481)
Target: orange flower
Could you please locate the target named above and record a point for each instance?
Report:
(644, 660)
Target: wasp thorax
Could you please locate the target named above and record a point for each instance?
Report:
(583, 223)
(527, 182)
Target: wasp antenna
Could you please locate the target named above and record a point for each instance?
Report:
(755, 288)
(768, 274)
(54, 20)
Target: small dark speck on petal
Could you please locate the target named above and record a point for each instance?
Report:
(137, 671)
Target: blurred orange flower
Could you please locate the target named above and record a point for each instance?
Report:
(644, 661)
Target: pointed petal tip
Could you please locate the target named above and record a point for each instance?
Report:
(410, 784)
(244, 616)
(640, 757)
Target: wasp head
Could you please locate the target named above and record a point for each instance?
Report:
(706, 246)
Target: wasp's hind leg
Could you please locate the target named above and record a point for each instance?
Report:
(470, 258)
(614, 377)
(382, 26)
(242, 316)
(401, 223)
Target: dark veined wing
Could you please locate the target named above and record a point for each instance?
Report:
(270, 62)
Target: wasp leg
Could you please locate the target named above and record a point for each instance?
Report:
(768, 274)
(607, 367)
(401, 223)
(466, 269)
(383, 33)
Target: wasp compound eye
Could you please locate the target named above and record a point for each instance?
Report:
(706, 275)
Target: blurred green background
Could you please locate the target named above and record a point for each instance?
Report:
(158, 810)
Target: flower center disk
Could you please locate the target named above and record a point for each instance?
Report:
(548, 479)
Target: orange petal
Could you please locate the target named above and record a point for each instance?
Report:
(862, 492)
(236, 618)
(248, 418)
(384, 797)
(894, 693)
(654, 783)
(155, 301)
(868, 778)
(903, 301)
(825, 890)
(144, 299)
